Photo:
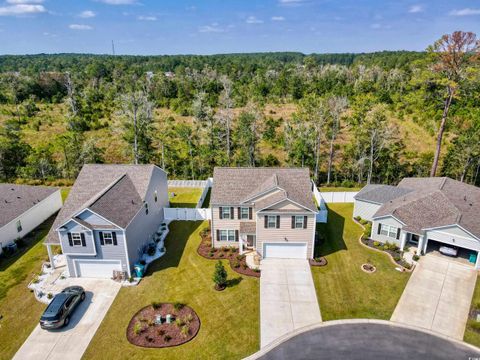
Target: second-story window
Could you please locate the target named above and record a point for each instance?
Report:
(244, 213)
(225, 213)
(299, 221)
(271, 221)
(108, 238)
(76, 239)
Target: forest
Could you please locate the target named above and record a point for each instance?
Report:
(350, 118)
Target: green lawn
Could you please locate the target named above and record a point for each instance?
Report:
(229, 319)
(337, 189)
(343, 289)
(471, 336)
(18, 306)
(185, 197)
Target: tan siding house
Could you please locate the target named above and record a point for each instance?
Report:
(267, 210)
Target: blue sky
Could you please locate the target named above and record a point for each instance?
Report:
(225, 26)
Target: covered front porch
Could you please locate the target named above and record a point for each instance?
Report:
(247, 236)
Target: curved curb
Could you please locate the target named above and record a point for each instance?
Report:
(404, 269)
(308, 328)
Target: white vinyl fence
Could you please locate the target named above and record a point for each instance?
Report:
(338, 197)
(190, 214)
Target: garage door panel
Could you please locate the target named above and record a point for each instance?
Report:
(96, 269)
(285, 251)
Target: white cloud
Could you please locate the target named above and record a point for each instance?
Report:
(25, 1)
(21, 9)
(118, 2)
(415, 9)
(277, 18)
(465, 12)
(213, 28)
(146, 18)
(253, 20)
(290, 2)
(87, 14)
(80, 27)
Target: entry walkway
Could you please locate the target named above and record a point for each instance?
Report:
(287, 298)
(438, 296)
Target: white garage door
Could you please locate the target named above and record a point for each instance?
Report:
(285, 251)
(97, 268)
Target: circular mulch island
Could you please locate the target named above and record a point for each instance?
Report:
(144, 330)
(369, 268)
(319, 261)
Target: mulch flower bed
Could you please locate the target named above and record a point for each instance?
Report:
(144, 331)
(369, 268)
(318, 261)
(391, 249)
(237, 262)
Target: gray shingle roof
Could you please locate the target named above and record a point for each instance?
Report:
(380, 194)
(234, 186)
(98, 180)
(435, 202)
(16, 199)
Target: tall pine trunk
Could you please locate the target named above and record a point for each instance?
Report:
(330, 158)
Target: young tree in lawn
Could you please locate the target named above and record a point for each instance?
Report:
(452, 55)
(219, 276)
(337, 105)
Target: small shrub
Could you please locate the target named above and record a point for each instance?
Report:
(407, 265)
(244, 266)
(188, 319)
(178, 306)
(415, 257)
(318, 259)
(167, 338)
(236, 264)
(396, 258)
(256, 270)
(36, 280)
(156, 305)
(137, 328)
(211, 253)
(240, 257)
(234, 250)
(131, 279)
(364, 222)
(221, 255)
(358, 218)
(149, 338)
(185, 331)
(179, 322)
(49, 296)
(150, 322)
(376, 244)
(161, 332)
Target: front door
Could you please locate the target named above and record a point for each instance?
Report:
(250, 241)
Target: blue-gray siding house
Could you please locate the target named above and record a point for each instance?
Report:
(111, 213)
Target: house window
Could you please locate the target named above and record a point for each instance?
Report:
(108, 238)
(387, 230)
(271, 221)
(244, 213)
(19, 226)
(225, 213)
(227, 235)
(76, 239)
(299, 221)
(146, 208)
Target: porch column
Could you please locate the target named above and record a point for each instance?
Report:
(477, 263)
(240, 244)
(421, 244)
(403, 240)
(50, 256)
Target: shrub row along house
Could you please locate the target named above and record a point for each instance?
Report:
(270, 210)
(424, 212)
(110, 215)
(23, 208)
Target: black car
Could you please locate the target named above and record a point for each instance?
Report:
(58, 312)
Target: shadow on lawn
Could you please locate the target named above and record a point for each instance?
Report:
(234, 282)
(175, 243)
(333, 235)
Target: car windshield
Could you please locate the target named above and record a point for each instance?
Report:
(52, 310)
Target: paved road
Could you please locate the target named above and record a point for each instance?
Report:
(438, 296)
(287, 298)
(368, 341)
(72, 341)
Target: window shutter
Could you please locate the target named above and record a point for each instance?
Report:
(278, 221)
(102, 241)
(293, 222)
(266, 221)
(232, 213)
(82, 235)
(250, 213)
(114, 238)
(398, 233)
(236, 235)
(220, 215)
(239, 213)
(70, 241)
(379, 229)
(305, 218)
(218, 235)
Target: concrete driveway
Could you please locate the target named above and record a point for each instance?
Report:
(438, 296)
(72, 341)
(287, 298)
